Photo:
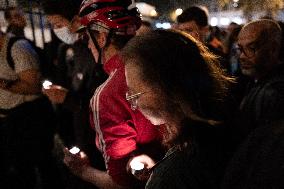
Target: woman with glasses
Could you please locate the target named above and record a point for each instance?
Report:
(173, 80)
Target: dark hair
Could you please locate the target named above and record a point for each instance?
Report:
(194, 14)
(7, 12)
(185, 71)
(66, 8)
(269, 35)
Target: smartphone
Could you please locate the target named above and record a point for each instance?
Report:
(74, 150)
(136, 165)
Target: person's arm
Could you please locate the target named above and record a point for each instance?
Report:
(69, 99)
(116, 127)
(26, 64)
(99, 178)
(80, 166)
(28, 83)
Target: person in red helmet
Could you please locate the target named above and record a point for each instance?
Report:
(121, 131)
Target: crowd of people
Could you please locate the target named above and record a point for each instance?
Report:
(128, 106)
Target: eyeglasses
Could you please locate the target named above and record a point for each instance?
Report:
(250, 49)
(133, 99)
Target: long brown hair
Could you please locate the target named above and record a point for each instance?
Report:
(185, 71)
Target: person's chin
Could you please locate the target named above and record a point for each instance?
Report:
(154, 120)
(248, 72)
(157, 121)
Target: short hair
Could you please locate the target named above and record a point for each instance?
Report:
(7, 12)
(269, 30)
(65, 8)
(194, 13)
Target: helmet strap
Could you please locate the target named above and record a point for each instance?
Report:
(95, 42)
(109, 36)
(99, 49)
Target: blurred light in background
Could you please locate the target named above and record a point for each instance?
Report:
(179, 11)
(224, 21)
(147, 9)
(235, 5)
(164, 25)
(214, 21)
(238, 20)
(38, 35)
(153, 13)
(174, 14)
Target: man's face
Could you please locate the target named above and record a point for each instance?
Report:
(17, 18)
(193, 29)
(252, 57)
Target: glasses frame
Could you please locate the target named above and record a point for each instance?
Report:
(253, 47)
(133, 99)
(248, 51)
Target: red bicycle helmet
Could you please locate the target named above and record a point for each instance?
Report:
(115, 15)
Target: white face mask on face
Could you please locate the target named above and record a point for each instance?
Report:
(65, 35)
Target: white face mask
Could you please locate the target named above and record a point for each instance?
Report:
(65, 35)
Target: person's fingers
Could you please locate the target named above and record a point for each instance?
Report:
(66, 160)
(83, 155)
(145, 159)
(43, 91)
(66, 151)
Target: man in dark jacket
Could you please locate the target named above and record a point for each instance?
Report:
(259, 44)
(257, 163)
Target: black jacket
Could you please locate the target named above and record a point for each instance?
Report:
(258, 164)
(263, 103)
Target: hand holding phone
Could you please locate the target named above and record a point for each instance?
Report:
(76, 160)
(55, 93)
(46, 84)
(140, 166)
(74, 150)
